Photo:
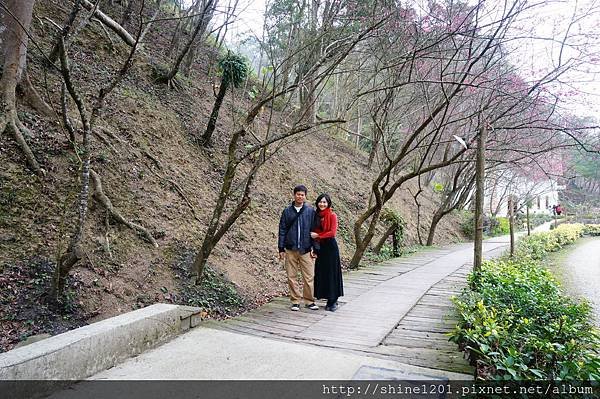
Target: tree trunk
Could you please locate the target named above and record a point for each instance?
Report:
(110, 23)
(174, 45)
(511, 225)
(384, 238)
(416, 198)
(66, 31)
(202, 23)
(14, 43)
(214, 233)
(434, 222)
(528, 222)
(214, 115)
(75, 251)
(205, 18)
(362, 243)
(395, 243)
(359, 252)
(33, 97)
(189, 60)
(479, 193)
(127, 13)
(373, 151)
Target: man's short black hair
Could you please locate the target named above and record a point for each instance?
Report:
(300, 187)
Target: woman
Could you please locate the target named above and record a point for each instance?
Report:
(328, 269)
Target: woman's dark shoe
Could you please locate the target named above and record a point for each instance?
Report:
(332, 308)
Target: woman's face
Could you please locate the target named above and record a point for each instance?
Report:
(323, 203)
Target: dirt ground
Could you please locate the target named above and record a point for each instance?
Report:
(148, 147)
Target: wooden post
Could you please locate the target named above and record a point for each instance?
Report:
(511, 225)
(528, 224)
(395, 249)
(479, 193)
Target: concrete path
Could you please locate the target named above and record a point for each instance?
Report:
(580, 272)
(391, 323)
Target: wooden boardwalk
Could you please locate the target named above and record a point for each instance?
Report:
(399, 310)
(420, 338)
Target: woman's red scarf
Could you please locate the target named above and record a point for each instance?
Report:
(325, 216)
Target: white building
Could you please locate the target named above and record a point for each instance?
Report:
(541, 194)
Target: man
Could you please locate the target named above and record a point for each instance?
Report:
(297, 248)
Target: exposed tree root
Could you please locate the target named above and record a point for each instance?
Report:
(106, 231)
(66, 263)
(11, 123)
(105, 140)
(101, 197)
(173, 83)
(157, 163)
(32, 97)
(164, 76)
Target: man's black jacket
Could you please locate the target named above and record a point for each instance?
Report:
(295, 228)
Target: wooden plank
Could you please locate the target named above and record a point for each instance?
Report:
(419, 343)
(264, 322)
(278, 319)
(425, 335)
(431, 319)
(431, 358)
(255, 329)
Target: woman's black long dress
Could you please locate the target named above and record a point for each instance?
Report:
(328, 271)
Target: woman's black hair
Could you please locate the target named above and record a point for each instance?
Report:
(320, 197)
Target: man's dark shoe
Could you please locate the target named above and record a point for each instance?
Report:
(295, 307)
(332, 308)
(312, 306)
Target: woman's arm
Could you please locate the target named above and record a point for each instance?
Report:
(332, 225)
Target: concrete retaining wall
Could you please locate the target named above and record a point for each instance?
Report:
(82, 352)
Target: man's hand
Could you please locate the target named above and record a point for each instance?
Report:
(281, 255)
(313, 254)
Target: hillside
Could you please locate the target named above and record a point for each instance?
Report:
(151, 167)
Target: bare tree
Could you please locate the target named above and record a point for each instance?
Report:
(458, 187)
(259, 149)
(448, 64)
(75, 250)
(15, 20)
(207, 9)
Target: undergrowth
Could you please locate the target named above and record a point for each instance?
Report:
(516, 324)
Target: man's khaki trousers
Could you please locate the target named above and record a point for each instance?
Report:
(294, 263)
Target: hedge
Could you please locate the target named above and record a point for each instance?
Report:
(516, 324)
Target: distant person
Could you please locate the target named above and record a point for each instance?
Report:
(559, 209)
(554, 209)
(297, 248)
(328, 268)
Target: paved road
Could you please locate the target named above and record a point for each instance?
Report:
(580, 273)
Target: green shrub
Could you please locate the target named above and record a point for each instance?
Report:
(536, 245)
(467, 224)
(537, 219)
(592, 229)
(391, 217)
(501, 226)
(516, 324)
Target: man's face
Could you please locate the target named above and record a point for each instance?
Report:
(299, 197)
